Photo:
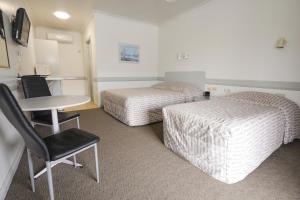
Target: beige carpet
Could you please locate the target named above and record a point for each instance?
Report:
(136, 165)
(86, 106)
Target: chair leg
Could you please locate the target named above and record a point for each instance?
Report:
(74, 160)
(50, 183)
(74, 157)
(31, 173)
(97, 164)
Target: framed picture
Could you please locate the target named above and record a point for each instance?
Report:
(4, 61)
(129, 53)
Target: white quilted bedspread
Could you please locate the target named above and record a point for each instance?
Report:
(141, 106)
(229, 137)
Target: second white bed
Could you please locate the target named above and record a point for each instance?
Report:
(230, 137)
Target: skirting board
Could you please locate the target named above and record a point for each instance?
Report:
(10, 175)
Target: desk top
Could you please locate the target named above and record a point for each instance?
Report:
(52, 102)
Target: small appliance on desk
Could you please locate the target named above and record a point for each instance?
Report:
(206, 94)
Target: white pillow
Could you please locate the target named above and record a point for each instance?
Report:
(182, 87)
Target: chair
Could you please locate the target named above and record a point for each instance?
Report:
(36, 86)
(52, 149)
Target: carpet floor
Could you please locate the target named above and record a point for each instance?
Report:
(135, 165)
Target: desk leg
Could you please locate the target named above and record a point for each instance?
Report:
(55, 121)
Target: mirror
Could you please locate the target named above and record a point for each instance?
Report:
(4, 61)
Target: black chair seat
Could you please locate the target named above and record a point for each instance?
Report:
(62, 117)
(68, 142)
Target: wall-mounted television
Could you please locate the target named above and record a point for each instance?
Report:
(21, 27)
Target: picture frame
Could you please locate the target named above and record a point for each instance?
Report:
(129, 53)
(4, 58)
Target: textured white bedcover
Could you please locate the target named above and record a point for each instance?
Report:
(230, 137)
(141, 106)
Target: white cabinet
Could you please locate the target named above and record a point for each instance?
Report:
(47, 55)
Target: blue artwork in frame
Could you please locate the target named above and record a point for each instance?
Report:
(129, 53)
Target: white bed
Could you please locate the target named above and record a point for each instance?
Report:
(141, 106)
(229, 137)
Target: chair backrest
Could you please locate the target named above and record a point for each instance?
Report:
(14, 114)
(35, 86)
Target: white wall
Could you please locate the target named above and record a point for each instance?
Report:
(235, 39)
(112, 30)
(70, 58)
(21, 60)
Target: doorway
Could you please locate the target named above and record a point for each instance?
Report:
(91, 72)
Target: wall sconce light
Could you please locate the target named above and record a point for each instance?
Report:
(281, 43)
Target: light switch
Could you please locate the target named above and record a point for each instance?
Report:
(186, 56)
(179, 56)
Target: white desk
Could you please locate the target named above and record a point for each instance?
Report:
(53, 103)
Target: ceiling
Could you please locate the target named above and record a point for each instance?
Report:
(153, 11)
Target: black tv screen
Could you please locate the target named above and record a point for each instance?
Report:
(21, 27)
